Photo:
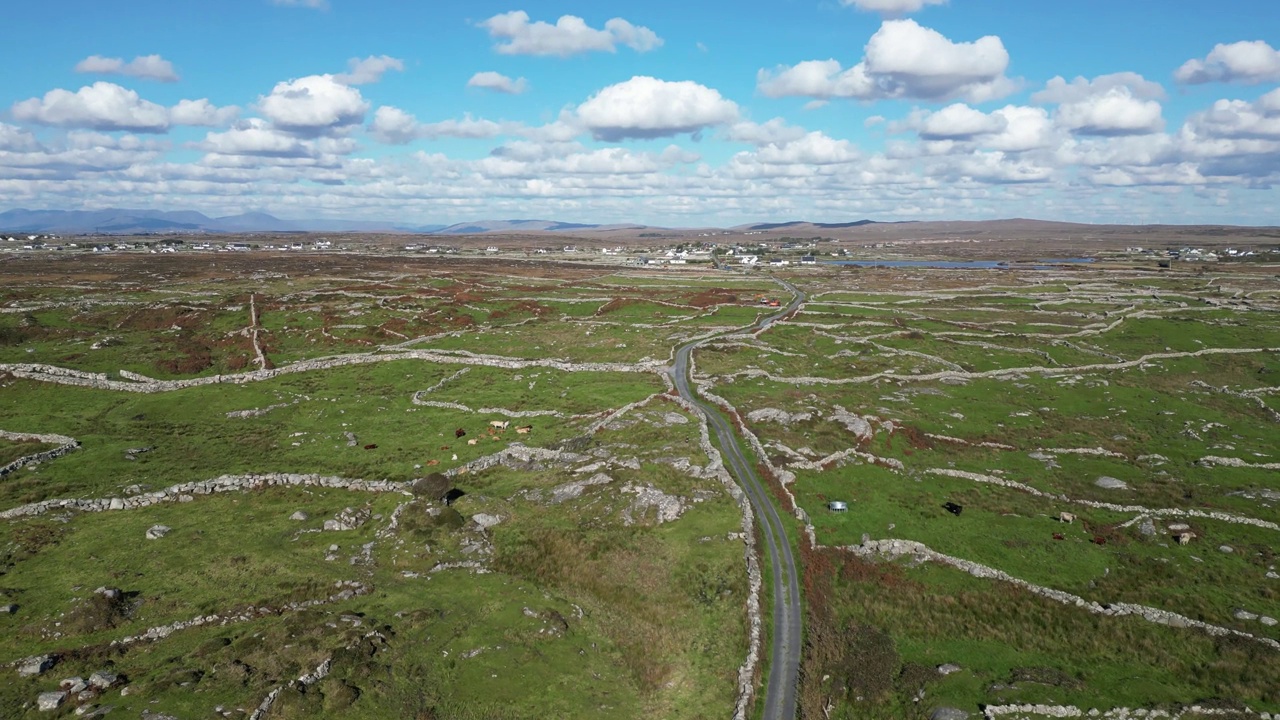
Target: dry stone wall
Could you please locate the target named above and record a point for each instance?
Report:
(143, 384)
(893, 549)
(65, 445)
(221, 484)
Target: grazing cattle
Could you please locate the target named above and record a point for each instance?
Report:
(473, 441)
(1066, 517)
(952, 508)
(444, 447)
(459, 433)
(1058, 536)
(433, 462)
(371, 447)
(500, 424)
(1099, 540)
(524, 430)
(1185, 538)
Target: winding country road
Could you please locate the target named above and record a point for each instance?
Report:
(784, 656)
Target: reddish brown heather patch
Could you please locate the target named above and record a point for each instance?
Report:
(912, 435)
(195, 356)
(616, 304)
(714, 296)
(161, 318)
(462, 297)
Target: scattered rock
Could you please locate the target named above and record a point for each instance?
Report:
(8, 609)
(1179, 527)
(348, 519)
(1268, 621)
(1242, 614)
(299, 516)
(1226, 549)
(36, 665)
(1109, 483)
(668, 507)
(485, 521)
(110, 593)
(781, 417)
(948, 668)
(1148, 527)
(948, 713)
(50, 700)
(155, 532)
(103, 679)
(572, 490)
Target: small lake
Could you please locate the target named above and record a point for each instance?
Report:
(971, 264)
(958, 264)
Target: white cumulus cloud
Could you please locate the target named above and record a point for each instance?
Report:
(1117, 104)
(1114, 112)
(646, 107)
(1058, 90)
(147, 67)
(569, 36)
(394, 126)
(369, 70)
(902, 60)
(100, 106)
(959, 122)
(202, 113)
(315, 104)
(1240, 120)
(775, 131)
(1247, 62)
(254, 137)
(498, 82)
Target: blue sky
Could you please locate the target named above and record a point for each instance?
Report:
(662, 112)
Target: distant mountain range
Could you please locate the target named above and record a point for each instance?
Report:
(116, 221)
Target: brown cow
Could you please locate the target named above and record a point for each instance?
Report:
(371, 447)
(459, 433)
(524, 430)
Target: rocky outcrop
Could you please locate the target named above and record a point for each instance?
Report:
(519, 457)
(668, 508)
(572, 490)
(782, 417)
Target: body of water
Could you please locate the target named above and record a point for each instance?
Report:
(956, 264)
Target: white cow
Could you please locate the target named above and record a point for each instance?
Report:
(500, 424)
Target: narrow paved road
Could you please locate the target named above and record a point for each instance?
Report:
(784, 656)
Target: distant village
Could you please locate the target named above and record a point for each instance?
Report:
(775, 253)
